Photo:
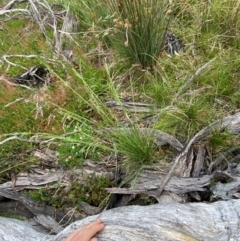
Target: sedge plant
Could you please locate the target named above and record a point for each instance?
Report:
(136, 29)
(140, 29)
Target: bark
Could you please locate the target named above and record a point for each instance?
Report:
(218, 221)
(47, 216)
(181, 163)
(148, 184)
(43, 178)
(16, 230)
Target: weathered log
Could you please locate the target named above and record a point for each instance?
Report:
(199, 162)
(44, 215)
(35, 180)
(218, 221)
(15, 208)
(226, 191)
(16, 230)
(39, 178)
(233, 150)
(149, 185)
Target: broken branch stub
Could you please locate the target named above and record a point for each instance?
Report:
(230, 123)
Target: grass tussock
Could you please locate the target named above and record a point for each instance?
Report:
(140, 28)
(137, 147)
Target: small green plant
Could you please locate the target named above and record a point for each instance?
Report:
(82, 143)
(46, 196)
(186, 119)
(161, 90)
(91, 191)
(221, 140)
(136, 146)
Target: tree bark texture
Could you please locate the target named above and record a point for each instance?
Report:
(218, 221)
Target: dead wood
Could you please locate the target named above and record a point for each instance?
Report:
(192, 77)
(194, 221)
(45, 215)
(230, 123)
(133, 106)
(162, 138)
(233, 150)
(226, 191)
(8, 9)
(35, 180)
(16, 208)
(12, 3)
(88, 209)
(218, 221)
(39, 177)
(189, 173)
(220, 185)
(199, 162)
(16, 230)
(148, 183)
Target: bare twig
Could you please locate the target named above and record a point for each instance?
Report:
(133, 106)
(13, 84)
(197, 73)
(5, 59)
(57, 42)
(11, 4)
(38, 18)
(39, 108)
(14, 138)
(13, 102)
(2, 12)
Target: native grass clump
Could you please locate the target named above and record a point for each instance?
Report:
(116, 56)
(141, 27)
(136, 29)
(137, 148)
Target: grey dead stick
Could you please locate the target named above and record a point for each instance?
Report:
(192, 77)
(44, 215)
(232, 123)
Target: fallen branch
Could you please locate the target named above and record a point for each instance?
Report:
(232, 123)
(5, 58)
(132, 106)
(12, 3)
(15, 137)
(148, 185)
(197, 73)
(43, 214)
(2, 12)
